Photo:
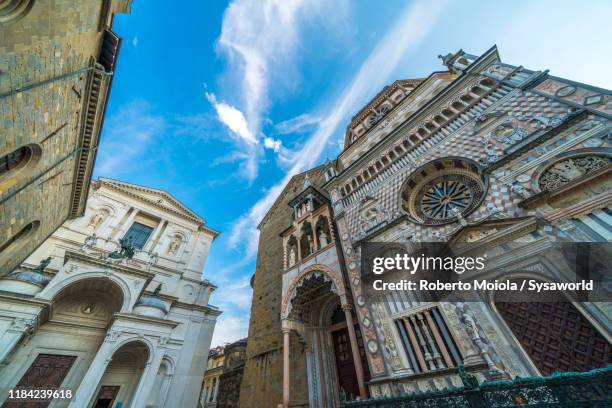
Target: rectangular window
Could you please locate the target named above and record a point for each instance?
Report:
(139, 233)
(427, 341)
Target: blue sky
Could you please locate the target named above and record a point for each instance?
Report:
(220, 103)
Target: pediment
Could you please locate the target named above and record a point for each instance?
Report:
(158, 198)
(494, 232)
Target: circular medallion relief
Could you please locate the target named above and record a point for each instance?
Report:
(523, 178)
(593, 142)
(372, 346)
(442, 190)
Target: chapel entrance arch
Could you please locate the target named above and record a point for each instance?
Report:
(333, 355)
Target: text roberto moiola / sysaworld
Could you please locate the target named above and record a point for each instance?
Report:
(459, 265)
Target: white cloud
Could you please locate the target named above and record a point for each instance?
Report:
(135, 41)
(408, 31)
(261, 40)
(233, 119)
(229, 329)
(234, 298)
(135, 123)
(273, 144)
(301, 123)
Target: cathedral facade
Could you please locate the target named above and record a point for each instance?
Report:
(113, 306)
(57, 60)
(482, 152)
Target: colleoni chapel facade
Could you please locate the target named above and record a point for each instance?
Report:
(112, 306)
(481, 152)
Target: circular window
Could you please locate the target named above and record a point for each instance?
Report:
(440, 191)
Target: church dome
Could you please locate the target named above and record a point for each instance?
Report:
(150, 306)
(25, 282)
(35, 278)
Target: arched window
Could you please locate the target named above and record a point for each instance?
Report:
(306, 240)
(15, 165)
(12, 10)
(15, 160)
(19, 238)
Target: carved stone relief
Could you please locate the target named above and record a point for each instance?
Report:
(570, 169)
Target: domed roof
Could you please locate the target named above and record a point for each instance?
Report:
(152, 301)
(35, 278)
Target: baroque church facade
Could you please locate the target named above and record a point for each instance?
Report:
(113, 305)
(482, 152)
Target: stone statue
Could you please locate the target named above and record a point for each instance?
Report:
(43, 265)
(95, 221)
(91, 240)
(292, 256)
(479, 342)
(322, 238)
(310, 244)
(127, 249)
(157, 290)
(174, 245)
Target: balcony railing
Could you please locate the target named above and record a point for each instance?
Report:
(575, 389)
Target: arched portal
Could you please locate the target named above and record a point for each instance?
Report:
(122, 375)
(313, 304)
(59, 353)
(556, 335)
(162, 383)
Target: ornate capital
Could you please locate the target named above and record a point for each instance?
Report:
(113, 335)
(163, 341)
(346, 307)
(22, 325)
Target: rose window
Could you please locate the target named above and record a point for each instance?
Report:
(442, 190)
(446, 197)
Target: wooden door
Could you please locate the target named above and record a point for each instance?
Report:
(347, 379)
(556, 336)
(347, 376)
(106, 396)
(46, 372)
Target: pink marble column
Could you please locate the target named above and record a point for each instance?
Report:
(355, 349)
(286, 367)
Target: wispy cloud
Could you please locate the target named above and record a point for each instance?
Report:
(127, 135)
(135, 41)
(409, 29)
(261, 40)
(302, 123)
(233, 297)
(229, 329)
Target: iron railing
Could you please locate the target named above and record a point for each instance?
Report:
(575, 389)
